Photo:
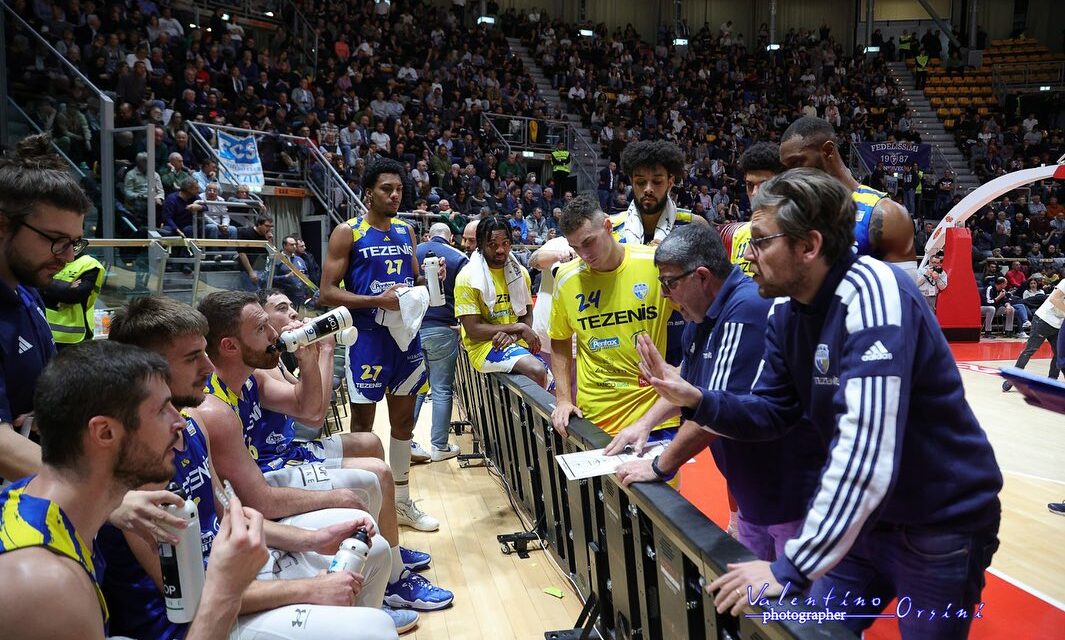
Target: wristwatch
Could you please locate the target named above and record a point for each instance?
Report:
(663, 476)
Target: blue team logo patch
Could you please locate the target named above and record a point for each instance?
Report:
(640, 290)
(599, 344)
(821, 359)
(401, 231)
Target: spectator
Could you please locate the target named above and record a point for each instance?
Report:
(137, 187)
(995, 304)
(251, 259)
(174, 174)
(180, 209)
(933, 280)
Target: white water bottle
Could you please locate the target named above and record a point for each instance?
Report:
(314, 330)
(352, 554)
(432, 280)
(347, 337)
(182, 564)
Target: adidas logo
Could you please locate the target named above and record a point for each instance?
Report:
(23, 345)
(876, 352)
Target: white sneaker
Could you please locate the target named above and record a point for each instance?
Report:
(451, 451)
(409, 515)
(417, 454)
(1022, 335)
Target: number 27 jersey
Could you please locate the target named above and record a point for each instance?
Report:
(379, 259)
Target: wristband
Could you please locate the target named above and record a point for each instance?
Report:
(663, 476)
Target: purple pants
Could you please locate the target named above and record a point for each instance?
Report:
(766, 541)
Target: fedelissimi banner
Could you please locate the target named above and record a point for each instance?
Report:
(896, 156)
(240, 160)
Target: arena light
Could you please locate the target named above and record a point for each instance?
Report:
(680, 42)
(528, 154)
(587, 33)
(772, 47)
(269, 14)
(486, 20)
(1045, 87)
(872, 49)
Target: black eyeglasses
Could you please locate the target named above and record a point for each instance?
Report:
(669, 282)
(60, 244)
(757, 244)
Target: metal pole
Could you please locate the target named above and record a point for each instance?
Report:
(3, 75)
(972, 24)
(107, 165)
(869, 13)
(149, 131)
(772, 21)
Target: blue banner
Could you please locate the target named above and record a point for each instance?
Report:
(896, 156)
(240, 157)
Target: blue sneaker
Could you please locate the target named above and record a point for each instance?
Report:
(413, 591)
(414, 560)
(404, 619)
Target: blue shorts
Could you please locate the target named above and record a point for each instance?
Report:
(376, 366)
(503, 361)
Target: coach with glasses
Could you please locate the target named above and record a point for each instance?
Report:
(42, 213)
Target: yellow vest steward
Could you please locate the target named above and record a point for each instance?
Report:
(68, 321)
(560, 161)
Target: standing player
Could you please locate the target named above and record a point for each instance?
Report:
(607, 298)
(883, 229)
(654, 168)
(758, 163)
(372, 256)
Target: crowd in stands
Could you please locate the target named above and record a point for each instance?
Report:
(724, 93)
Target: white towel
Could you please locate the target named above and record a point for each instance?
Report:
(404, 324)
(632, 231)
(481, 279)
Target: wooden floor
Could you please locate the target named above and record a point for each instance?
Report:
(1029, 444)
(496, 596)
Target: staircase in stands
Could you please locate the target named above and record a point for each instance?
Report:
(931, 128)
(551, 96)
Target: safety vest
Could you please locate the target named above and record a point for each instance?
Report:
(904, 42)
(68, 321)
(560, 161)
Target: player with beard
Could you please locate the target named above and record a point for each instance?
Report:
(42, 212)
(373, 256)
(654, 167)
(757, 164)
(98, 440)
(883, 228)
(292, 583)
(285, 462)
(496, 329)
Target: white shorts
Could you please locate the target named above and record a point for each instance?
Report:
(317, 477)
(315, 622)
(329, 449)
(503, 361)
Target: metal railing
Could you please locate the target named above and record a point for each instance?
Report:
(311, 169)
(37, 128)
(541, 135)
(642, 553)
(12, 24)
(490, 127)
(856, 163)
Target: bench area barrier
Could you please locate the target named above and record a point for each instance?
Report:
(642, 553)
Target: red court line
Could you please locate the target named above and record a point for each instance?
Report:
(1009, 611)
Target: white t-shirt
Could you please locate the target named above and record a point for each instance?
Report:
(541, 318)
(1047, 312)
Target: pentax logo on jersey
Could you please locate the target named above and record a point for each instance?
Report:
(386, 250)
(377, 286)
(599, 344)
(617, 318)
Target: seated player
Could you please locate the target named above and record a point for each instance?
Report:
(98, 440)
(405, 589)
(493, 302)
(293, 578)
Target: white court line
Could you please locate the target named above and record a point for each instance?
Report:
(1033, 477)
(1023, 587)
